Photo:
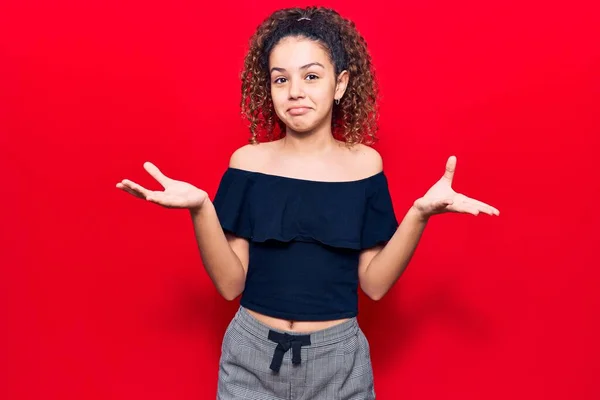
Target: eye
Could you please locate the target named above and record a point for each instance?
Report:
(312, 76)
(279, 80)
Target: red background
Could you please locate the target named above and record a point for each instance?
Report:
(103, 296)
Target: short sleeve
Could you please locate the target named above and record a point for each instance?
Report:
(380, 223)
(231, 203)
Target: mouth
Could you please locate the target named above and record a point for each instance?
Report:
(298, 110)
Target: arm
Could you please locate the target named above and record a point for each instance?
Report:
(225, 256)
(380, 267)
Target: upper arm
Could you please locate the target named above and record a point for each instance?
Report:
(241, 159)
(365, 257)
(372, 163)
(241, 247)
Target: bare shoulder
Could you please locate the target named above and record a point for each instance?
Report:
(367, 159)
(249, 157)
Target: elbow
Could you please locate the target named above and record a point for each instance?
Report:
(231, 293)
(229, 297)
(374, 295)
(373, 290)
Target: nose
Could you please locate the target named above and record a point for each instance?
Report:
(296, 90)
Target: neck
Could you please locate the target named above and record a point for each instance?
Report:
(318, 141)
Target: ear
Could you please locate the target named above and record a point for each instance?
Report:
(341, 84)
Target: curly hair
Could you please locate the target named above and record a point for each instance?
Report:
(354, 120)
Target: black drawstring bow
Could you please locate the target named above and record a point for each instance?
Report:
(285, 341)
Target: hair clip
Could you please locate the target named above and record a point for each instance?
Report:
(306, 18)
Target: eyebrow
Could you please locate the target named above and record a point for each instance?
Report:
(302, 67)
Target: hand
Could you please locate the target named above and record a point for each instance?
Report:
(441, 198)
(177, 194)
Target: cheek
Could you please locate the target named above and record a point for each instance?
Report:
(323, 101)
(278, 98)
(323, 94)
(279, 102)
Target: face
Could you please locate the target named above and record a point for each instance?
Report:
(304, 84)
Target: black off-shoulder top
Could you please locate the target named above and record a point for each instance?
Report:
(305, 239)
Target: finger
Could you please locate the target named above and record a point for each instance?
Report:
(465, 208)
(130, 191)
(489, 210)
(485, 210)
(135, 187)
(471, 210)
(442, 203)
(156, 173)
(157, 198)
(483, 206)
(450, 168)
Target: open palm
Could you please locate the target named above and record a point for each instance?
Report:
(441, 198)
(177, 194)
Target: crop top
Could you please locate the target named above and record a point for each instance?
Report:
(305, 239)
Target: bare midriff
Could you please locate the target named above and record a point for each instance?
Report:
(295, 326)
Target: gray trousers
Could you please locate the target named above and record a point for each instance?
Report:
(336, 365)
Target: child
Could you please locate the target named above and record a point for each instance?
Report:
(302, 219)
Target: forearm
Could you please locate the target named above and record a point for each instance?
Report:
(221, 263)
(389, 264)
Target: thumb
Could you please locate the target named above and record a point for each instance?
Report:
(155, 173)
(450, 168)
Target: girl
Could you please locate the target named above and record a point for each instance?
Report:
(302, 219)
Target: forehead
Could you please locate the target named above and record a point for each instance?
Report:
(294, 52)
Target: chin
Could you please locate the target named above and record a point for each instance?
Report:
(301, 128)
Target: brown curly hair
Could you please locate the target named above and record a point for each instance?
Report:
(354, 120)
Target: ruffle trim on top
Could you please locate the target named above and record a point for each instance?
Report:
(261, 207)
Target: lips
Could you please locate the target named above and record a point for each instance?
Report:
(298, 110)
